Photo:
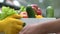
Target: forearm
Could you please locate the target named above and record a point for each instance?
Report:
(52, 26)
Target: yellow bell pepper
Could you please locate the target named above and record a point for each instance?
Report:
(11, 24)
(39, 16)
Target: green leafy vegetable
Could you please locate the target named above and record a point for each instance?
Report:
(6, 11)
(22, 8)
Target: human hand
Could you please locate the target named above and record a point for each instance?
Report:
(11, 24)
(31, 29)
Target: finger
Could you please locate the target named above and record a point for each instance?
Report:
(16, 16)
(19, 22)
(24, 28)
(19, 27)
(24, 24)
(15, 21)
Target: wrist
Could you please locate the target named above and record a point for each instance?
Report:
(41, 29)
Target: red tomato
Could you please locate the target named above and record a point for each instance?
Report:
(24, 14)
(39, 12)
(34, 5)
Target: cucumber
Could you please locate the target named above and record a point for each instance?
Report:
(30, 12)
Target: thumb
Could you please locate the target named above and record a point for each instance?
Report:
(17, 16)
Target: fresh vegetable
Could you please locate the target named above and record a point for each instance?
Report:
(30, 12)
(39, 16)
(34, 5)
(50, 12)
(22, 8)
(39, 12)
(24, 14)
(36, 9)
(6, 11)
